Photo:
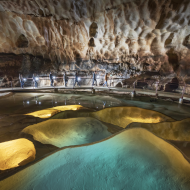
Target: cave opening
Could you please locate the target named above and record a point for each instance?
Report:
(22, 41)
(173, 60)
(92, 42)
(93, 31)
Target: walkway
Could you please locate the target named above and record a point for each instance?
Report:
(111, 89)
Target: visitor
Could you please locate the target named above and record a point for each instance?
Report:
(65, 78)
(76, 79)
(51, 78)
(94, 79)
(35, 80)
(21, 80)
(106, 80)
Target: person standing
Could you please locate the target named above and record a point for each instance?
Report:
(76, 79)
(106, 80)
(21, 80)
(65, 78)
(51, 78)
(35, 80)
(94, 79)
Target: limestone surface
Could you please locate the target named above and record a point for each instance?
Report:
(123, 116)
(47, 113)
(176, 130)
(16, 153)
(146, 35)
(67, 132)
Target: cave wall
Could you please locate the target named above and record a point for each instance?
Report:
(147, 35)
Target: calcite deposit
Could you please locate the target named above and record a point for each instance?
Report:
(16, 153)
(129, 37)
(67, 132)
(176, 130)
(123, 116)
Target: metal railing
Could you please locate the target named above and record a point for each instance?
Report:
(110, 81)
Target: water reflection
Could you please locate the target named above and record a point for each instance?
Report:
(29, 102)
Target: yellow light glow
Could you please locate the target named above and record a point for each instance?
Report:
(47, 113)
(123, 116)
(70, 107)
(177, 130)
(44, 113)
(16, 153)
(143, 120)
(66, 132)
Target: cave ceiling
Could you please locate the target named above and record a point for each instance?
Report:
(149, 34)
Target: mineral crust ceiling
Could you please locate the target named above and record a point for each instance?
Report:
(151, 35)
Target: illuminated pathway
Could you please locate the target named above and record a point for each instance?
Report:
(87, 88)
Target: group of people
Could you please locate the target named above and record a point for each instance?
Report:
(94, 79)
(22, 80)
(65, 78)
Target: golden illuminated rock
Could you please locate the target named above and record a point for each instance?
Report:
(176, 130)
(16, 153)
(66, 132)
(69, 107)
(47, 113)
(123, 116)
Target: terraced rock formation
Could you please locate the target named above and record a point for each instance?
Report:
(133, 155)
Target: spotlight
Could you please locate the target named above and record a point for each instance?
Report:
(24, 79)
(28, 102)
(53, 77)
(78, 78)
(37, 78)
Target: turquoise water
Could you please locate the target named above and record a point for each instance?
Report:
(122, 162)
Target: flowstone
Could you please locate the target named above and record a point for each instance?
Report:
(67, 132)
(16, 153)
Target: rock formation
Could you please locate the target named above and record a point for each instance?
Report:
(67, 132)
(128, 36)
(16, 153)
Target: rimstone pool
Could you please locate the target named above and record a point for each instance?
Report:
(85, 141)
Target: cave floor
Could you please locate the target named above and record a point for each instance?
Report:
(14, 107)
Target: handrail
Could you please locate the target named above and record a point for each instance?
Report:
(102, 77)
